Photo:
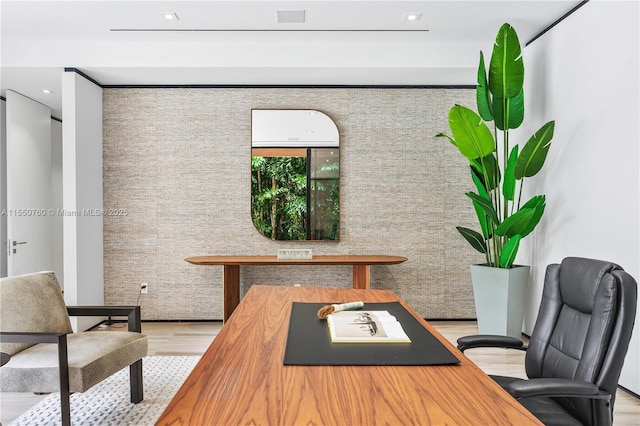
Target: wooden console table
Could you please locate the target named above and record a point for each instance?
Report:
(231, 270)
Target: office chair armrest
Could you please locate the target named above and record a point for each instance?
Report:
(490, 341)
(134, 320)
(549, 387)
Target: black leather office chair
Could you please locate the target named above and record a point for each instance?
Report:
(578, 344)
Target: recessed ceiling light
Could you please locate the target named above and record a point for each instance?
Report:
(412, 16)
(170, 16)
(47, 91)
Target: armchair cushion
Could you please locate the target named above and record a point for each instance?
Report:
(93, 356)
(43, 311)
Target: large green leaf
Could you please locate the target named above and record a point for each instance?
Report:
(483, 98)
(485, 205)
(474, 238)
(487, 170)
(524, 220)
(516, 223)
(515, 108)
(509, 182)
(472, 136)
(506, 69)
(538, 203)
(534, 153)
(483, 219)
(509, 251)
(477, 180)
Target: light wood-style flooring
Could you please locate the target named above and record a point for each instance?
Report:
(193, 338)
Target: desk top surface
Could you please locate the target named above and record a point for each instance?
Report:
(241, 378)
(317, 259)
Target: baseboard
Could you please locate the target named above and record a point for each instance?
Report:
(633, 394)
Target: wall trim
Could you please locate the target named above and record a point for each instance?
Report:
(557, 21)
(271, 86)
(80, 73)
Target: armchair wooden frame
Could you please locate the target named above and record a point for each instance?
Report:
(135, 370)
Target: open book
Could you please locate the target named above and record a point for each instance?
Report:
(365, 327)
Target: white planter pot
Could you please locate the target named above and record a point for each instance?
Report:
(499, 295)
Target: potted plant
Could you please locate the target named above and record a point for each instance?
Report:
(498, 169)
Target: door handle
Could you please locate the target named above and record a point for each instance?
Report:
(15, 243)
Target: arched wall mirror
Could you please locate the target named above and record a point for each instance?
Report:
(295, 175)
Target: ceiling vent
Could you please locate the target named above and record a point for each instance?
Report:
(290, 16)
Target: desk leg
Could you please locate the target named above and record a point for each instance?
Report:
(231, 289)
(361, 276)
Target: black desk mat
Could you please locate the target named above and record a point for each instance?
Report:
(309, 343)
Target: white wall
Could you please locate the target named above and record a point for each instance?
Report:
(82, 192)
(56, 200)
(3, 188)
(584, 74)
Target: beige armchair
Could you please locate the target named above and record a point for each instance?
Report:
(34, 314)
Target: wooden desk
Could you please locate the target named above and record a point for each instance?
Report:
(241, 379)
(231, 270)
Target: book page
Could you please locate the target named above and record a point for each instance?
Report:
(365, 327)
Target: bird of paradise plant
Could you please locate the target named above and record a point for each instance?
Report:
(498, 167)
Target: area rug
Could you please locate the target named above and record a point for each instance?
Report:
(108, 402)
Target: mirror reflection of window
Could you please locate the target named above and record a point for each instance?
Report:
(295, 175)
(323, 191)
(279, 192)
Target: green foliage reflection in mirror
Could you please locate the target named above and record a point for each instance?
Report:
(295, 175)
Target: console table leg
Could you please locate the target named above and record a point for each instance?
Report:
(361, 276)
(231, 289)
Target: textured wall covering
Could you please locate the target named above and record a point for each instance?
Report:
(179, 161)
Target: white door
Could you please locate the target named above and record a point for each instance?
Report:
(29, 214)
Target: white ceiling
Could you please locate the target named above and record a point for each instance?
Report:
(355, 42)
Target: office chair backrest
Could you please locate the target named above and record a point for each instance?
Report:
(583, 329)
(32, 303)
